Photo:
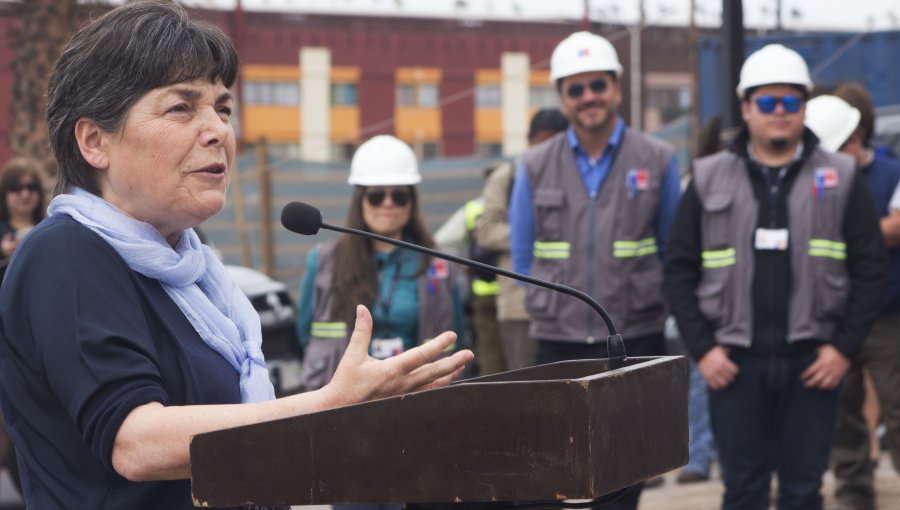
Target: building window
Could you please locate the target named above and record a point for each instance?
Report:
(430, 150)
(428, 95)
(423, 95)
(543, 96)
(282, 93)
(284, 150)
(672, 102)
(343, 94)
(487, 96)
(489, 150)
(342, 151)
(406, 95)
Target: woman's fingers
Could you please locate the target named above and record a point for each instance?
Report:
(440, 372)
(362, 334)
(418, 356)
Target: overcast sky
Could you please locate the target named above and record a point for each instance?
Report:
(851, 15)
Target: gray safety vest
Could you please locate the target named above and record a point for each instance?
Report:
(819, 280)
(331, 334)
(605, 247)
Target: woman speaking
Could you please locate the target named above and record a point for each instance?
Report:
(122, 335)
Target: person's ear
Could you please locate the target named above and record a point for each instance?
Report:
(90, 143)
(745, 110)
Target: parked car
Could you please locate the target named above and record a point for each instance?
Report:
(276, 309)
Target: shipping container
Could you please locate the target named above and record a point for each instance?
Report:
(871, 58)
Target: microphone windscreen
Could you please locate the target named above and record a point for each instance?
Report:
(301, 218)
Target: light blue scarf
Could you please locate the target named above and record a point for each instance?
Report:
(192, 276)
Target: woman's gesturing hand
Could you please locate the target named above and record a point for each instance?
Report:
(360, 377)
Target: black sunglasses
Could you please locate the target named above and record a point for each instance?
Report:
(767, 104)
(576, 90)
(17, 187)
(376, 196)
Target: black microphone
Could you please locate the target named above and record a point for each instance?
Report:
(305, 219)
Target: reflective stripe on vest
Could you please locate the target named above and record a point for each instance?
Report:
(551, 249)
(483, 288)
(625, 249)
(719, 258)
(826, 248)
(473, 210)
(329, 329)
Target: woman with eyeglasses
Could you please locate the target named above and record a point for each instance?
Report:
(22, 206)
(412, 297)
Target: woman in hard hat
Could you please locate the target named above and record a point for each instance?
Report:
(412, 297)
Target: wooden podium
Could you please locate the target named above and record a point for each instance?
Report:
(568, 430)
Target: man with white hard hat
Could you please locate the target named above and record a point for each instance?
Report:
(591, 209)
(847, 128)
(774, 276)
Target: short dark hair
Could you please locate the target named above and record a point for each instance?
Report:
(13, 171)
(547, 119)
(710, 139)
(114, 61)
(856, 95)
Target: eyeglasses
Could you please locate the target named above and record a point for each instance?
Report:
(376, 196)
(767, 104)
(17, 187)
(576, 90)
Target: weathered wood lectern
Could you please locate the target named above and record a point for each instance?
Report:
(568, 430)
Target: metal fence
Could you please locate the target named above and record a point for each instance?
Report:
(446, 185)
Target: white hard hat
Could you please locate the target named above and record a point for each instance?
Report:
(832, 120)
(773, 64)
(583, 52)
(384, 161)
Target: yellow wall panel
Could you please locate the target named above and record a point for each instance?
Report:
(418, 75)
(539, 76)
(270, 73)
(487, 76)
(342, 74)
(344, 123)
(345, 74)
(276, 123)
(418, 123)
(488, 126)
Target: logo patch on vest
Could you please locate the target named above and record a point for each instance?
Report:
(438, 270)
(826, 178)
(638, 179)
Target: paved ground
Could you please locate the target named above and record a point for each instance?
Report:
(707, 495)
(670, 496)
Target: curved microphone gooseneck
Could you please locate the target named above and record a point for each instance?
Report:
(305, 219)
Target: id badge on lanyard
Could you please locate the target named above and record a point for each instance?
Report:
(773, 239)
(383, 348)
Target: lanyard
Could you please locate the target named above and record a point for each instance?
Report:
(384, 301)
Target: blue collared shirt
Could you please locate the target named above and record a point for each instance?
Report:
(593, 175)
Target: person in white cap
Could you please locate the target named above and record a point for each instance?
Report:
(844, 122)
(774, 276)
(591, 208)
(412, 297)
